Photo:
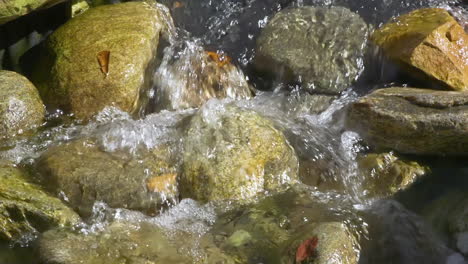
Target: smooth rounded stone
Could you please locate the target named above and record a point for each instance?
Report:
(232, 153)
(189, 76)
(118, 243)
(323, 48)
(415, 121)
(335, 244)
(74, 74)
(84, 174)
(26, 209)
(12, 9)
(21, 108)
(386, 174)
(431, 41)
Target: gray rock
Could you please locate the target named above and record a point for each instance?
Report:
(232, 153)
(321, 47)
(86, 174)
(415, 121)
(21, 108)
(26, 209)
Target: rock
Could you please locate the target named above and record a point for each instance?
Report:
(416, 121)
(26, 209)
(21, 108)
(12, 9)
(189, 77)
(86, 174)
(386, 174)
(74, 72)
(431, 41)
(232, 153)
(120, 242)
(321, 47)
(335, 244)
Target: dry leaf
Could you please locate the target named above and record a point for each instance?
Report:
(220, 60)
(103, 60)
(306, 249)
(162, 183)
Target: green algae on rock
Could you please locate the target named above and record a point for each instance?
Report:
(413, 121)
(232, 153)
(69, 76)
(21, 108)
(322, 47)
(25, 208)
(386, 174)
(118, 243)
(86, 174)
(12, 9)
(431, 41)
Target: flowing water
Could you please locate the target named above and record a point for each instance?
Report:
(389, 230)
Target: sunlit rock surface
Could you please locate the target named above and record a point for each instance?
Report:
(12, 9)
(386, 173)
(70, 76)
(26, 209)
(84, 173)
(410, 120)
(233, 153)
(323, 48)
(21, 108)
(431, 41)
(119, 243)
(189, 76)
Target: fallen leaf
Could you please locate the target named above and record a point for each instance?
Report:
(306, 249)
(103, 60)
(220, 59)
(162, 183)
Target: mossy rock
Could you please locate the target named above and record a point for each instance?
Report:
(74, 74)
(26, 209)
(12, 9)
(232, 153)
(86, 174)
(431, 41)
(323, 48)
(413, 121)
(386, 174)
(21, 108)
(118, 243)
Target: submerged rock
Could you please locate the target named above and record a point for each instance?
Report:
(21, 108)
(385, 174)
(26, 209)
(104, 57)
(321, 47)
(12, 9)
(431, 41)
(411, 120)
(232, 153)
(119, 243)
(86, 174)
(191, 76)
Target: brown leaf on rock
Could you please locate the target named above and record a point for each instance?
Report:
(103, 60)
(220, 59)
(306, 249)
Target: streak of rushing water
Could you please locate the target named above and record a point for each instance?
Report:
(232, 26)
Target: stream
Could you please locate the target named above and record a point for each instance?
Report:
(388, 229)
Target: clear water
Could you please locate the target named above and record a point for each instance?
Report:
(390, 230)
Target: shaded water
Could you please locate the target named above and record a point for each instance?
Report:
(389, 230)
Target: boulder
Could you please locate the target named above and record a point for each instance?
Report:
(323, 48)
(416, 121)
(386, 174)
(86, 174)
(119, 243)
(104, 57)
(189, 76)
(12, 9)
(21, 108)
(233, 153)
(430, 41)
(26, 209)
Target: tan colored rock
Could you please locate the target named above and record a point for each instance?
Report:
(71, 73)
(430, 40)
